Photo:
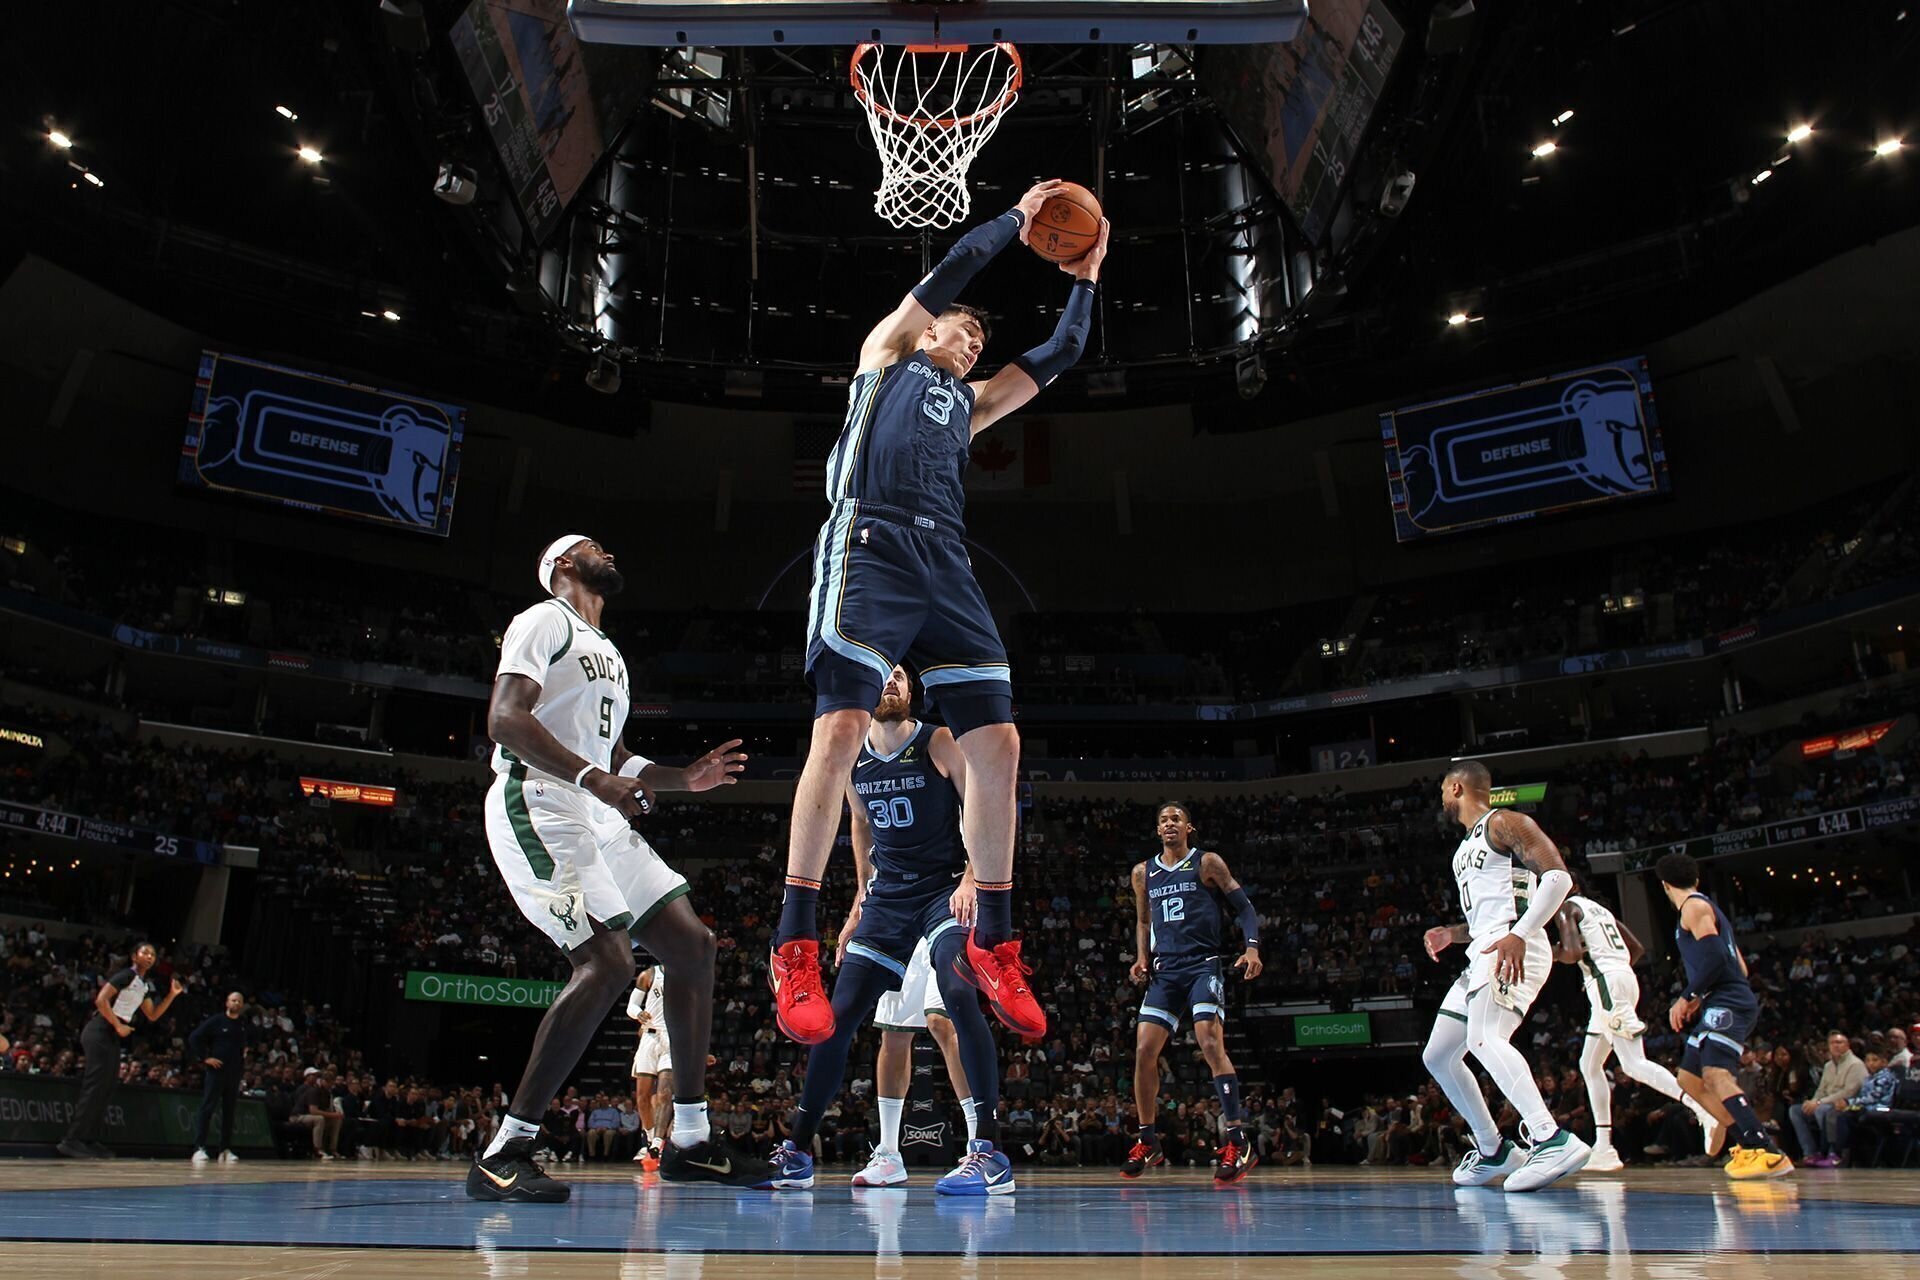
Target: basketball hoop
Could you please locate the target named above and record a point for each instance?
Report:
(931, 107)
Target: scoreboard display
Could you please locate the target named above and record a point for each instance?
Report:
(1526, 449)
(317, 443)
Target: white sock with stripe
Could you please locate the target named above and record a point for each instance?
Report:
(890, 1109)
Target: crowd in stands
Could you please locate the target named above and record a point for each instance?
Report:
(1634, 593)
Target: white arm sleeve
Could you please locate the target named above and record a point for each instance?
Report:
(636, 1004)
(1553, 890)
(533, 641)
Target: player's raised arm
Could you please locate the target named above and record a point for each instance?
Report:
(1022, 380)
(889, 339)
(1142, 934)
(1215, 875)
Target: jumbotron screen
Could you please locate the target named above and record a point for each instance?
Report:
(1525, 449)
(318, 443)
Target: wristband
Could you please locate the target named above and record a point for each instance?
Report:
(634, 767)
(580, 777)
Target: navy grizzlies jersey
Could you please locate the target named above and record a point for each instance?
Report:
(1183, 915)
(912, 810)
(1693, 952)
(905, 440)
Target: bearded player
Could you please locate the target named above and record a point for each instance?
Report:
(1178, 935)
(559, 821)
(1512, 881)
(905, 794)
(892, 583)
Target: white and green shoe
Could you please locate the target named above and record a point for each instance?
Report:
(1550, 1161)
(1477, 1170)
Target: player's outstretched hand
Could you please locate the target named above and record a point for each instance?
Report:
(1029, 205)
(1138, 971)
(1682, 1013)
(717, 768)
(629, 795)
(1087, 265)
(1510, 958)
(1250, 961)
(1438, 939)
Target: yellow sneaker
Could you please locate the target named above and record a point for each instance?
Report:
(1758, 1163)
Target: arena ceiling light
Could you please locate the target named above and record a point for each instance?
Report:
(389, 314)
(92, 178)
(310, 154)
(1563, 117)
(1887, 146)
(287, 113)
(59, 140)
(1762, 176)
(1545, 149)
(1458, 319)
(1800, 133)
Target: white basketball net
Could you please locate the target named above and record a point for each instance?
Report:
(930, 109)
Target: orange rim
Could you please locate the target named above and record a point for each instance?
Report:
(998, 105)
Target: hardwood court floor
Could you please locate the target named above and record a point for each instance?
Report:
(170, 1221)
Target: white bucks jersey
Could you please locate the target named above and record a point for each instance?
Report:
(1606, 947)
(1494, 885)
(656, 1007)
(583, 681)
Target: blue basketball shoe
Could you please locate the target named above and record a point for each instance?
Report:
(981, 1172)
(788, 1169)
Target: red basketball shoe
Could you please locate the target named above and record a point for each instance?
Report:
(1235, 1160)
(800, 1001)
(1002, 977)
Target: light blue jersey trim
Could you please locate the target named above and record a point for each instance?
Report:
(834, 553)
(911, 739)
(942, 927)
(846, 452)
(886, 962)
(1213, 1009)
(1161, 1016)
(1693, 1041)
(938, 676)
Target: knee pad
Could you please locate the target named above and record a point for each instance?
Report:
(967, 708)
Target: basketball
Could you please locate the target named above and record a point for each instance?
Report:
(1067, 226)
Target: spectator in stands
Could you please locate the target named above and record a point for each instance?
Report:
(313, 1110)
(603, 1128)
(1875, 1094)
(1813, 1120)
(1899, 1056)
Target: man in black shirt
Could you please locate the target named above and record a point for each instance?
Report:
(220, 1043)
(313, 1109)
(112, 1022)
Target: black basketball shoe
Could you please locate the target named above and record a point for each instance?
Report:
(511, 1175)
(1141, 1159)
(711, 1161)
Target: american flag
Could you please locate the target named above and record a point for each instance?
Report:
(813, 440)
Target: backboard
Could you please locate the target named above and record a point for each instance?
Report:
(972, 22)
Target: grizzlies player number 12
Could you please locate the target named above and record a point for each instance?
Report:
(1172, 909)
(888, 814)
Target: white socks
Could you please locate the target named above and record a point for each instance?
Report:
(690, 1127)
(890, 1109)
(973, 1118)
(511, 1127)
(1593, 1068)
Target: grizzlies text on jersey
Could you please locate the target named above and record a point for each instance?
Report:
(912, 814)
(905, 441)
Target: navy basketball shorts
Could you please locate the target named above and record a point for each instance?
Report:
(1193, 990)
(1719, 1035)
(896, 914)
(892, 587)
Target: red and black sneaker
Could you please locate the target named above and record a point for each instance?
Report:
(1002, 978)
(800, 1005)
(1235, 1160)
(1141, 1159)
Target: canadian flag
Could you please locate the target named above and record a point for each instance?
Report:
(1012, 455)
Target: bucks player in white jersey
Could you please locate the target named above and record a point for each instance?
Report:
(1511, 880)
(559, 820)
(1605, 951)
(652, 1063)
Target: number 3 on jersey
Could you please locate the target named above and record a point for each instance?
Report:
(888, 814)
(938, 404)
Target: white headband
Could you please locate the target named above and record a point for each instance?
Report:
(555, 549)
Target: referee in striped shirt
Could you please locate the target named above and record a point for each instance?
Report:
(111, 1023)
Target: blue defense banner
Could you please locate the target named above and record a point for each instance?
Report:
(306, 440)
(1524, 449)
